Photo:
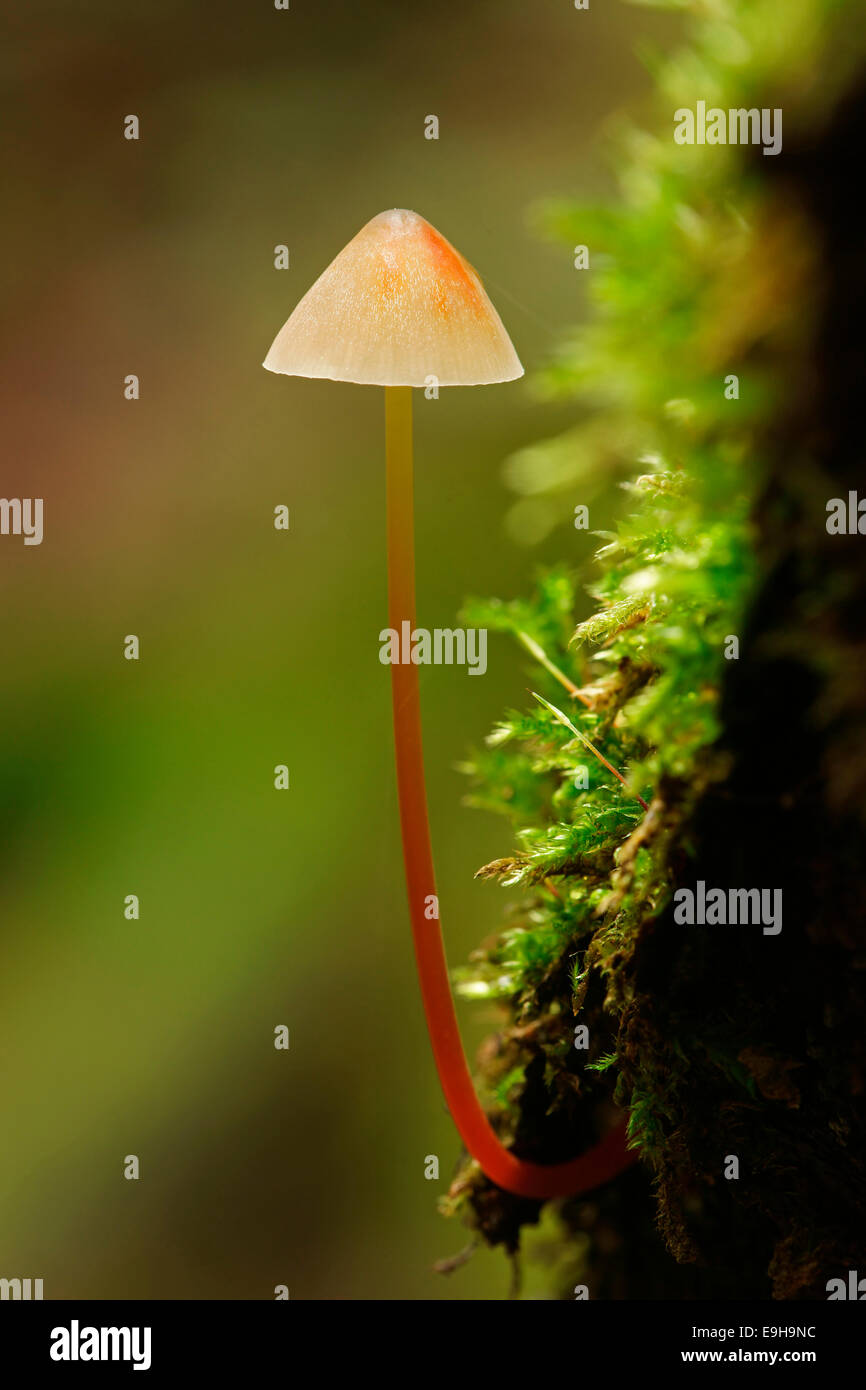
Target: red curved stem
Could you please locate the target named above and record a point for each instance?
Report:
(610, 1156)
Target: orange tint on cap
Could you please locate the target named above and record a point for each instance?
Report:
(397, 306)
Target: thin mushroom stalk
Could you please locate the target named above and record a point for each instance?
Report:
(397, 306)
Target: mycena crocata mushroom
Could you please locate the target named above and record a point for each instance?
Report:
(397, 307)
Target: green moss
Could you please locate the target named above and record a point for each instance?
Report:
(695, 275)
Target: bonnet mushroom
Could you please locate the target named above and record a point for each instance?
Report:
(399, 306)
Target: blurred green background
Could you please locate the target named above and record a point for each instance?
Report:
(155, 1037)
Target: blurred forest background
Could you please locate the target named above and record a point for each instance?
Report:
(155, 257)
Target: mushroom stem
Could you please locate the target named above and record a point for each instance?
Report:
(541, 1181)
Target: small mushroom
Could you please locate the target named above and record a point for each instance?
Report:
(400, 307)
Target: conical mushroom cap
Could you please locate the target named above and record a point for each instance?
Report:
(397, 306)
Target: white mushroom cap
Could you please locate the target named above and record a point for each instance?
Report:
(397, 306)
